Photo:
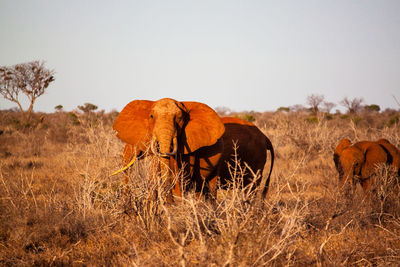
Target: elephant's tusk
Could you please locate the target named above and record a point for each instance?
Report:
(124, 168)
(175, 142)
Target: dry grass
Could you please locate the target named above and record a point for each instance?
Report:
(58, 205)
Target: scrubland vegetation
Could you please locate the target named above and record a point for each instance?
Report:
(59, 206)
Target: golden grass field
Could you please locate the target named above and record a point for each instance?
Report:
(58, 205)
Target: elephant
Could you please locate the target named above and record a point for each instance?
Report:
(185, 136)
(251, 147)
(357, 162)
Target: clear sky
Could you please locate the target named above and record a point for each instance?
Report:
(244, 55)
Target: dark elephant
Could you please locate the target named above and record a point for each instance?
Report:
(184, 135)
(251, 148)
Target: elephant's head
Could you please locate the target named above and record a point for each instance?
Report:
(348, 161)
(177, 127)
(351, 160)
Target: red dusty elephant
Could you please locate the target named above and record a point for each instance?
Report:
(251, 147)
(357, 162)
(184, 135)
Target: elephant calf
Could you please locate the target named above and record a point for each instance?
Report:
(357, 162)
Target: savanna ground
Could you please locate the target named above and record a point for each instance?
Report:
(58, 205)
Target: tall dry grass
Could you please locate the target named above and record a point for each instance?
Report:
(58, 205)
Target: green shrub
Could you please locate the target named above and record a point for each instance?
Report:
(392, 121)
(246, 116)
(356, 120)
(283, 109)
(249, 117)
(88, 107)
(74, 118)
(311, 119)
(372, 107)
(58, 107)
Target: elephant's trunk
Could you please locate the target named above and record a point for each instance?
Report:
(164, 143)
(348, 180)
(165, 139)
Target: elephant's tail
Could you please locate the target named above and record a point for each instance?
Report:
(271, 150)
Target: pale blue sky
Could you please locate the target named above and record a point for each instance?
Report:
(245, 55)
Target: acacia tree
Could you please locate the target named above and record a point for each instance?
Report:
(87, 108)
(30, 78)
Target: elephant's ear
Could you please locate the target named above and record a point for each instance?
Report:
(204, 127)
(345, 142)
(132, 124)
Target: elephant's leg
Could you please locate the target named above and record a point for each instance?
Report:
(366, 185)
(166, 179)
(127, 156)
(209, 171)
(175, 182)
(176, 190)
(369, 188)
(203, 176)
(347, 184)
(155, 170)
(212, 184)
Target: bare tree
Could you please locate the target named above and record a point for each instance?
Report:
(30, 78)
(314, 101)
(328, 106)
(352, 105)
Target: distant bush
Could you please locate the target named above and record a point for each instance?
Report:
(372, 107)
(88, 107)
(311, 119)
(74, 118)
(393, 120)
(283, 109)
(58, 107)
(246, 117)
(249, 116)
(328, 116)
(356, 119)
